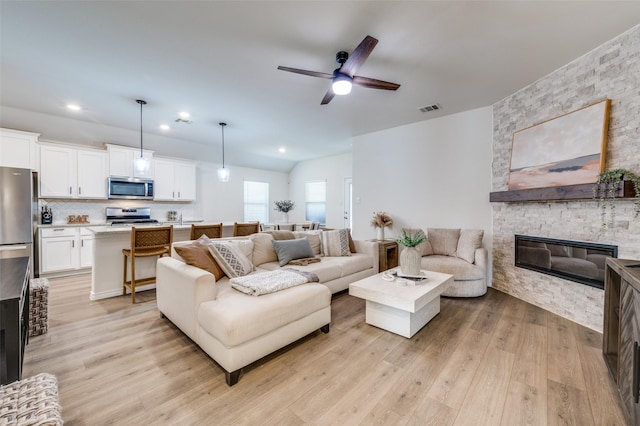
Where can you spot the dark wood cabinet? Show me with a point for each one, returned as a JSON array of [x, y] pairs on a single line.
[[621, 338], [14, 316]]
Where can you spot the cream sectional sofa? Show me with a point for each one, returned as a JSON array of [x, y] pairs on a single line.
[[458, 252], [236, 329]]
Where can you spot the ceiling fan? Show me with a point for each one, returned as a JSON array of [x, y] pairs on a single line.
[[344, 76]]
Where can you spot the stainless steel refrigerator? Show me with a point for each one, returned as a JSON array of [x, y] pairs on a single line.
[[16, 217]]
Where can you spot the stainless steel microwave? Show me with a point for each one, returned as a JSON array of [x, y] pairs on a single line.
[[130, 188]]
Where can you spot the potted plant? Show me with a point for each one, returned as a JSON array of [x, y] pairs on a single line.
[[381, 220], [410, 257], [284, 207], [606, 187]]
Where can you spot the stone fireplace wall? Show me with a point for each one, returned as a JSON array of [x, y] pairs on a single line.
[[610, 71]]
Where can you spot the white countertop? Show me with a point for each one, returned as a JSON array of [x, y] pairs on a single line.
[[106, 229], [107, 224]]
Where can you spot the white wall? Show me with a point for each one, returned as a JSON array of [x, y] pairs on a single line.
[[431, 174], [224, 202], [333, 170]]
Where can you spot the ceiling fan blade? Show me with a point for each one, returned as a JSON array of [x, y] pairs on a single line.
[[372, 83], [305, 72], [358, 56], [328, 96]]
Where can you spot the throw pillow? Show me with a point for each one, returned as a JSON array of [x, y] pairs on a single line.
[[352, 246], [558, 250], [424, 248], [281, 235], [470, 240], [288, 250], [230, 258], [336, 243], [198, 255], [263, 251], [313, 237], [444, 241]]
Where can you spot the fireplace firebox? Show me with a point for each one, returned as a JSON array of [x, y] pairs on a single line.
[[578, 261]]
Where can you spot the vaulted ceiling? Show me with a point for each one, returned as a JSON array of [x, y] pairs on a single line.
[[218, 60]]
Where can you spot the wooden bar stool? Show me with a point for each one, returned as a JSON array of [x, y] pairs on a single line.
[[145, 242], [211, 231], [243, 229]]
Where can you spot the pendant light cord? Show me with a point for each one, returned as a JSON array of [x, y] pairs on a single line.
[[222, 125], [141, 102]]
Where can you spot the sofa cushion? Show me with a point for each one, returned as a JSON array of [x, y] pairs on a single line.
[[288, 250], [352, 264], [326, 270], [281, 235], [460, 269], [235, 317], [198, 255], [263, 250], [424, 248], [336, 243], [469, 241], [314, 239], [233, 256], [444, 241]]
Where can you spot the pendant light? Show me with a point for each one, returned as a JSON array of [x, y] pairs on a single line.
[[141, 164], [223, 174]]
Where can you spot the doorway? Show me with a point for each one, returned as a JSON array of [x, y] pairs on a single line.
[[348, 199]]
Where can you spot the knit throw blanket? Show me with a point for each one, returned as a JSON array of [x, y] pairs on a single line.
[[272, 281]]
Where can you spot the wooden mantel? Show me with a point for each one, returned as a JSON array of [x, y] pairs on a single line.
[[558, 193]]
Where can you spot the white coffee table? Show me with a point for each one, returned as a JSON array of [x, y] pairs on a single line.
[[400, 308]]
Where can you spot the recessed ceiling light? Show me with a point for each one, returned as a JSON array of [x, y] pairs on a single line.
[[184, 114], [74, 107], [165, 127], [282, 150]]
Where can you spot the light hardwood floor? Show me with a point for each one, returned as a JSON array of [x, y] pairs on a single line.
[[494, 360]]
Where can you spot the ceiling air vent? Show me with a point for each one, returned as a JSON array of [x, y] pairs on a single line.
[[429, 108]]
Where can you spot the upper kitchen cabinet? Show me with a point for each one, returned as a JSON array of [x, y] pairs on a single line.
[[121, 161], [67, 172], [18, 149], [175, 180]]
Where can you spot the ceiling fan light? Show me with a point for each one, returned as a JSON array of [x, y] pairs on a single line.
[[341, 84], [223, 174]]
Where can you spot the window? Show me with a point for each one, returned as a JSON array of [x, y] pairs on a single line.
[[256, 201], [316, 201]]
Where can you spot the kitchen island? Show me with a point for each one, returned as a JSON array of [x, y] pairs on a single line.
[[108, 260]]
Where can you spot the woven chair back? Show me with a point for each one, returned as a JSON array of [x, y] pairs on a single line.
[[211, 231], [147, 238], [243, 229]]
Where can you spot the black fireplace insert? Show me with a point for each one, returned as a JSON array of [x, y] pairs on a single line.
[[578, 261]]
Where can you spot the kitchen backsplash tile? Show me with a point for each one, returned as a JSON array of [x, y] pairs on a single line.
[[95, 209]]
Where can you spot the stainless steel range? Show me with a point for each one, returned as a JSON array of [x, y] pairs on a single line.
[[130, 216]]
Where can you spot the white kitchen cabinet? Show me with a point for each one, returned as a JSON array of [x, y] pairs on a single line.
[[67, 172], [18, 149], [86, 248], [65, 249], [175, 180], [58, 172], [92, 174], [121, 162]]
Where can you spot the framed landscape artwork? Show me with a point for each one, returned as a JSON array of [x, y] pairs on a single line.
[[566, 150]]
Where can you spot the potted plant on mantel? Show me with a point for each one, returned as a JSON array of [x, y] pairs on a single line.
[[410, 257], [284, 207], [606, 188]]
